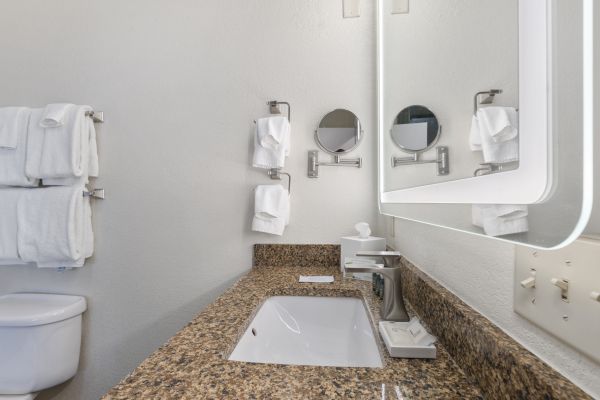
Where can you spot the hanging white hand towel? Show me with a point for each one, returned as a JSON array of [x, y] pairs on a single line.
[[12, 161], [54, 227], [499, 134], [271, 209], [271, 142], [54, 115], [9, 252], [501, 219], [65, 155]]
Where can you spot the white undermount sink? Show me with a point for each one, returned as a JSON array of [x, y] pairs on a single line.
[[303, 330]]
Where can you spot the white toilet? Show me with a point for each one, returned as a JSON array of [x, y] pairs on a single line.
[[40, 339]]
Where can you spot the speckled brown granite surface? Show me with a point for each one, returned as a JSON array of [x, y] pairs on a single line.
[[193, 364], [501, 367], [297, 255]]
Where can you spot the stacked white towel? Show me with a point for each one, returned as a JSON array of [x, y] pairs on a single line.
[[500, 219], [271, 142], [495, 132], [55, 227], [271, 209], [14, 123], [62, 148], [51, 227]]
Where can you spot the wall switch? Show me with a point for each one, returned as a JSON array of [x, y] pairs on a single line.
[[400, 6], [351, 8], [567, 281]]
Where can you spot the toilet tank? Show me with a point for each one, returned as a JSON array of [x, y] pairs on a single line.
[[40, 340]]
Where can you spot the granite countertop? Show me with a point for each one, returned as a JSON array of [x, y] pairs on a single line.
[[193, 364]]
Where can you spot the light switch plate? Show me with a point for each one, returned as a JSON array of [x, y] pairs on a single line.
[[400, 6], [351, 8], [574, 316]]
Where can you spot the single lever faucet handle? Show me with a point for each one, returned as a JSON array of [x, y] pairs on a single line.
[[390, 258]]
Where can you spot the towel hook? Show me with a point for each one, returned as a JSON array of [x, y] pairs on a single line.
[[97, 193], [96, 116], [488, 100]]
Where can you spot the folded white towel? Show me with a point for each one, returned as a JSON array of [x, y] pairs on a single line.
[[54, 115], [497, 128], [501, 123], [11, 126], [271, 209], [475, 135], [54, 227], [12, 161], [500, 219], [9, 252], [64, 155], [271, 142]]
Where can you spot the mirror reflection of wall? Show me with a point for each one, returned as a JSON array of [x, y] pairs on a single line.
[[441, 54]]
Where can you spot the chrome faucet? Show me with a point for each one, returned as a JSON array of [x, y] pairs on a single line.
[[393, 308]]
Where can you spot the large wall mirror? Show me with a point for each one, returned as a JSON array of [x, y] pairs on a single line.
[[509, 81]]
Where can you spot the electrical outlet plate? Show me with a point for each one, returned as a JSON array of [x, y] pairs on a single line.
[[574, 316]]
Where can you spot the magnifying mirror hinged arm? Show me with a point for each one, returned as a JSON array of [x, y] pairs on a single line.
[[442, 160], [338, 161]]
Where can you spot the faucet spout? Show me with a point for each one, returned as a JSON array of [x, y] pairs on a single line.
[[392, 308]]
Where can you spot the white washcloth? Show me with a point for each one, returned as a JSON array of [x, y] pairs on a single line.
[[496, 135], [12, 161], [55, 227], [54, 115], [11, 126], [64, 155], [271, 209], [9, 252], [271, 142], [500, 219]]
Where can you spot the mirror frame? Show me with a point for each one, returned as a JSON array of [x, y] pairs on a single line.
[[361, 134], [532, 181], [431, 145]]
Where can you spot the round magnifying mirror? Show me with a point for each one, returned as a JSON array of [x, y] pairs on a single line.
[[415, 129], [339, 132]]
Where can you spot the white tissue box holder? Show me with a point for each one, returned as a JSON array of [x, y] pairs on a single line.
[[401, 343]]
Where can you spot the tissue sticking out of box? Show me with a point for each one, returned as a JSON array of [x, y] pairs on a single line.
[[364, 231]]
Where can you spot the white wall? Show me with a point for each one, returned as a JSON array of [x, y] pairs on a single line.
[[180, 83], [480, 271]]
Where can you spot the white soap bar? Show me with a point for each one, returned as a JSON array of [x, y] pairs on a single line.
[[316, 279]]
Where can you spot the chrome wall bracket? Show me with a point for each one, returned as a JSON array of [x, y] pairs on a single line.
[[314, 163], [96, 116], [97, 193], [275, 173], [442, 160], [488, 100]]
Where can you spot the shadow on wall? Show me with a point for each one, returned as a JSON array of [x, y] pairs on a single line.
[[74, 387]]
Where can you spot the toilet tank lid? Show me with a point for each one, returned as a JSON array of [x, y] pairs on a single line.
[[32, 309]]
